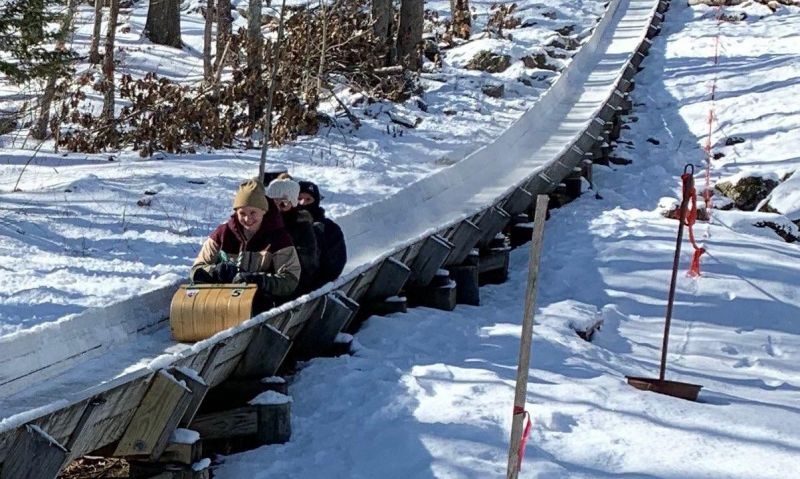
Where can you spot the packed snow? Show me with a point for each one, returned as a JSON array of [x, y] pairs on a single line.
[[428, 393]]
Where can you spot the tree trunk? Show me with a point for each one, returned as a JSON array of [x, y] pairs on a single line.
[[224, 20], [39, 131], [254, 41], [462, 18], [163, 25], [276, 60], [94, 51], [209, 26], [108, 63], [382, 16], [409, 33]]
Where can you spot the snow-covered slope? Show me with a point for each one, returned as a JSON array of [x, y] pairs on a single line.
[[531, 143], [429, 394]]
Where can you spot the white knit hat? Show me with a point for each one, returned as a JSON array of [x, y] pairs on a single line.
[[284, 189]]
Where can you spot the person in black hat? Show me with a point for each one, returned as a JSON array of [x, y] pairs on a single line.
[[329, 235]]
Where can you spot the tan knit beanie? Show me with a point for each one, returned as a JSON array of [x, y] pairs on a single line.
[[251, 193], [284, 189]]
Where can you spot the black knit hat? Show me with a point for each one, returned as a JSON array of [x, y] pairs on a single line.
[[312, 189]]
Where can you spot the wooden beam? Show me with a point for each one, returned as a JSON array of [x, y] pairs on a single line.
[[265, 353], [519, 201], [76, 443], [200, 394], [157, 416], [320, 332], [391, 278], [34, 455], [430, 258], [241, 421], [493, 221], [350, 304], [198, 387], [464, 237]]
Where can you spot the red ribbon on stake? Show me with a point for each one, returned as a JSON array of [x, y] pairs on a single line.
[[690, 215], [525, 434]]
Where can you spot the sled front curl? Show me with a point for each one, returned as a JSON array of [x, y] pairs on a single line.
[[198, 311]]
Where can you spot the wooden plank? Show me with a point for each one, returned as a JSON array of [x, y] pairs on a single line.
[[491, 223], [320, 333], [518, 201], [390, 279], [431, 257], [228, 357], [78, 438], [182, 453], [156, 417], [300, 315], [265, 353], [363, 283], [242, 421], [464, 238], [350, 304], [198, 395], [198, 387], [34, 455]]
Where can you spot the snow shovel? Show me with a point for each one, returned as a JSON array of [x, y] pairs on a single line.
[[198, 311], [661, 385]]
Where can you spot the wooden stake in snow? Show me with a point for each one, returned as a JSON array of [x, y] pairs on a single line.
[[514, 452]]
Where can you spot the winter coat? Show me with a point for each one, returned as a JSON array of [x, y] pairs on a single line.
[[300, 225], [270, 250], [333, 252]]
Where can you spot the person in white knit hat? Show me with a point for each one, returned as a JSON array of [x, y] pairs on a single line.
[[284, 191]]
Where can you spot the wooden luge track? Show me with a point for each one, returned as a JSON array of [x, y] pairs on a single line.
[[455, 210]]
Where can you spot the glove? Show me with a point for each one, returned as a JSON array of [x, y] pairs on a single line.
[[224, 272], [257, 279]]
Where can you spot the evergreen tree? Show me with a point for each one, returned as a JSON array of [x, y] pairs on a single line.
[[27, 36]]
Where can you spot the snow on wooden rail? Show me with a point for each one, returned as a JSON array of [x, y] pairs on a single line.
[[61, 379]]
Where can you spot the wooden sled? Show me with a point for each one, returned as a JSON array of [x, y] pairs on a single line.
[[199, 311]]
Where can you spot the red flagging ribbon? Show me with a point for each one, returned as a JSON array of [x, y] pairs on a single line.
[[690, 193], [525, 434]]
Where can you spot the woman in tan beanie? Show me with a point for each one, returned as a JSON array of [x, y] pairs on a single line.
[[251, 247]]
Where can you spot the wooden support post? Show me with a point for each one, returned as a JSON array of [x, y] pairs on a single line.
[[586, 171], [265, 353], [464, 237], [652, 32], [350, 304], [493, 221], [467, 287], [391, 278], [77, 442], [162, 407], [517, 202], [391, 305], [523, 366], [34, 455], [573, 183], [183, 450], [317, 338], [663, 6], [493, 268], [439, 294], [520, 232], [274, 418], [197, 385], [586, 141], [637, 59], [200, 395], [431, 256]]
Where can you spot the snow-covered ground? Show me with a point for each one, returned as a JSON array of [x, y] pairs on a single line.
[[75, 236], [429, 394]]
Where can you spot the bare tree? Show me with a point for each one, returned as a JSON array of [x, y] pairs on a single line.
[[94, 50], [39, 130], [209, 26], [462, 18], [224, 20], [278, 50], [409, 33], [254, 42], [382, 17], [163, 25], [108, 63]]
